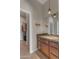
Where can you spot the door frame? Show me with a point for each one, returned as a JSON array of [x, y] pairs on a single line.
[[30, 29]]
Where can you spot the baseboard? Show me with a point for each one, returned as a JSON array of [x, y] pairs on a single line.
[[33, 51]]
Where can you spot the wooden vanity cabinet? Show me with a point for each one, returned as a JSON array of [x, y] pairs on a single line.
[[54, 50], [44, 49], [48, 48], [53, 57], [43, 46]]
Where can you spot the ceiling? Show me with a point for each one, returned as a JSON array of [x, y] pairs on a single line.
[[42, 1]]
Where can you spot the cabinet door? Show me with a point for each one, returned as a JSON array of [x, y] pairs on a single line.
[[53, 57], [54, 51], [44, 49]]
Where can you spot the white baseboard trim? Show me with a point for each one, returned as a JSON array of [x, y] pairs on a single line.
[[33, 51]]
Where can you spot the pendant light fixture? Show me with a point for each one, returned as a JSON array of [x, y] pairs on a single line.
[[49, 10], [54, 15]]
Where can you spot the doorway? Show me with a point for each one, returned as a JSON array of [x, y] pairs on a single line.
[[29, 29], [24, 34]]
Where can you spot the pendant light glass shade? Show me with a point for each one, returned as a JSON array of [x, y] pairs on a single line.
[[54, 15], [49, 11]]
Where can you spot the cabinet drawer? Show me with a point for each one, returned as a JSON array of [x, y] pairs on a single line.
[[55, 45], [53, 57], [44, 41], [54, 51]]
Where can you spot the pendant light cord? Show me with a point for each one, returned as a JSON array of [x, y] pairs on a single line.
[[49, 4]]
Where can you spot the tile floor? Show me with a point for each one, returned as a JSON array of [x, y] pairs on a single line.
[[24, 54]]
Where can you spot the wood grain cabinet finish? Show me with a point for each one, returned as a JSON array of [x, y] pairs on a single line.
[[44, 41], [53, 57], [54, 44], [48, 48], [44, 49], [54, 50]]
